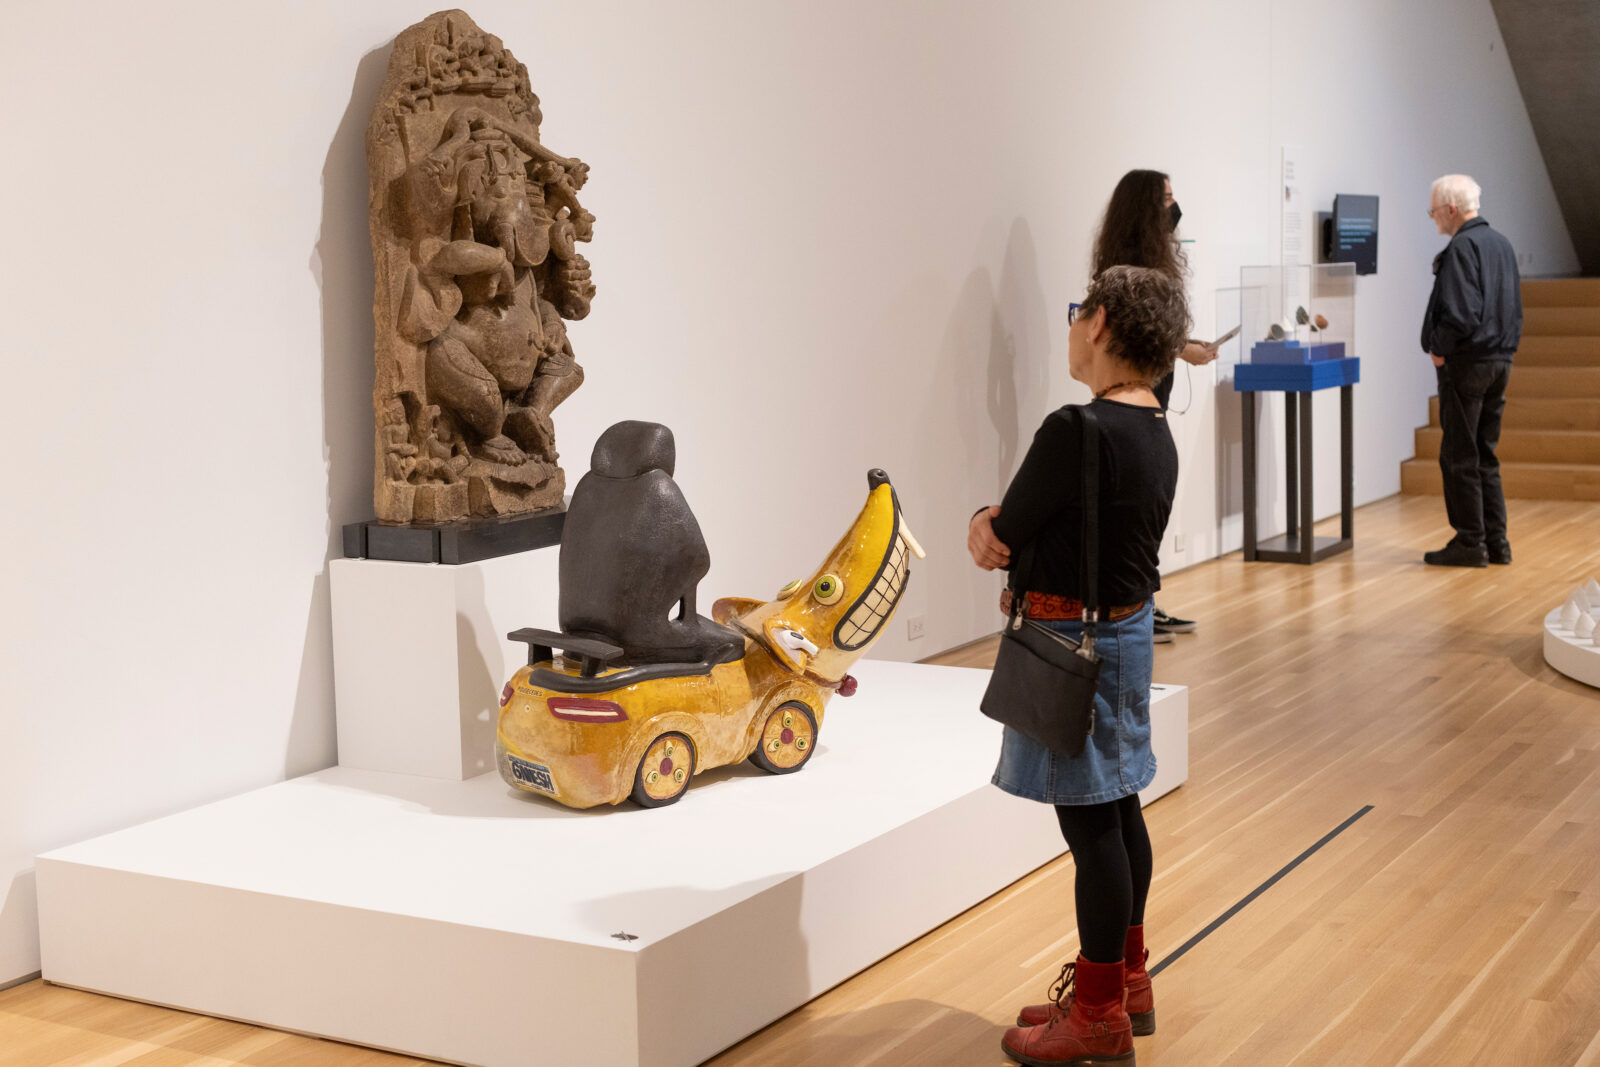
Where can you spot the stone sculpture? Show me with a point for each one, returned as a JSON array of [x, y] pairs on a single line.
[[475, 228]]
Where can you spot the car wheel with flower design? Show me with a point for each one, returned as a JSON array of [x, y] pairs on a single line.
[[664, 771], [788, 738]]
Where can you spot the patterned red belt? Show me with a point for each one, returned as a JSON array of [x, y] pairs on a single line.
[[1055, 608]]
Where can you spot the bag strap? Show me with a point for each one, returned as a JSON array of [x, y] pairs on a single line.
[[1089, 577]]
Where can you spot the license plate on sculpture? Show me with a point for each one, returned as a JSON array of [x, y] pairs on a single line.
[[637, 693]]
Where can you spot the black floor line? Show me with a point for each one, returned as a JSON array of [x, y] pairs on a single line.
[[1256, 892]]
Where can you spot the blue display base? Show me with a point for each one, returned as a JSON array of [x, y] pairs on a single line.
[[1294, 353], [1296, 377]]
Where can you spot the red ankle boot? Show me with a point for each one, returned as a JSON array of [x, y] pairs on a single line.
[[1138, 998], [1088, 1027]]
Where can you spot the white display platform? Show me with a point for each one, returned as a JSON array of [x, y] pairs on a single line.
[[431, 711], [1576, 657], [468, 922]]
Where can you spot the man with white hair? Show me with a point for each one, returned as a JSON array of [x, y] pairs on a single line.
[[1471, 331]]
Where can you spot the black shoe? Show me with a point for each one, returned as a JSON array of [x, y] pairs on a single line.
[[1161, 637], [1457, 555], [1500, 554], [1167, 624]]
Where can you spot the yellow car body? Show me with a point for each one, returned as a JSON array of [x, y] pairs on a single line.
[[645, 731]]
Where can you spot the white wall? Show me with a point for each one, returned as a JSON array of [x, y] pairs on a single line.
[[831, 236]]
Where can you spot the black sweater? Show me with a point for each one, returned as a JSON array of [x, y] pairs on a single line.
[[1475, 312], [1044, 503]]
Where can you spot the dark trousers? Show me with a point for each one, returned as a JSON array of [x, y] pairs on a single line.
[[1472, 397]]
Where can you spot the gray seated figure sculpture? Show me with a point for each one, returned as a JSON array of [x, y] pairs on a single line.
[[632, 555]]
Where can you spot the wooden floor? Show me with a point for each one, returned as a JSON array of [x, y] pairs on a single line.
[[1458, 922]]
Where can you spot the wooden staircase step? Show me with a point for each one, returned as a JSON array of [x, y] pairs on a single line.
[[1560, 292], [1523, 413], [1526, 481], [1553, 382], [1526, 446], [1559, 352], [1561, 321]]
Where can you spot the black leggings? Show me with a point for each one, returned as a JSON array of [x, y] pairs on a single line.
[[1111, 848]]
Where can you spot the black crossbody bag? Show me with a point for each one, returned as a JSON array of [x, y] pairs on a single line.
[[1043, 682]]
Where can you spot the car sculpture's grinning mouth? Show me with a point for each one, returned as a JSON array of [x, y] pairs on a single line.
[[873, 608]]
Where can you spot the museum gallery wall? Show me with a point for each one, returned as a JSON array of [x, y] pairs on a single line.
[[829, 237]]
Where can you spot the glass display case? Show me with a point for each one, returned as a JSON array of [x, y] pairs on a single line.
[[1295, 314]]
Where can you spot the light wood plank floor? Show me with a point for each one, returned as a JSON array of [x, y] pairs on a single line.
[[1456, 923]]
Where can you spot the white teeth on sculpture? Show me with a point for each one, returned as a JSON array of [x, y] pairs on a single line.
[[1580, 598], [1591, 589], [1585, 627], [1569, 614]]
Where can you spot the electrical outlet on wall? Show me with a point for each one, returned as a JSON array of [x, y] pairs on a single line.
[[916, 626], [1177, 541]]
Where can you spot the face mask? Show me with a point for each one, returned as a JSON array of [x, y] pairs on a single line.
[[1176, 212]]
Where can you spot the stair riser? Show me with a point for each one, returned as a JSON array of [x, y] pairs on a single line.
[[1526, 446], [1561, 292], [1559, 352], [1555, 382], [1561, 322], [1423, 477], [1539, 414]]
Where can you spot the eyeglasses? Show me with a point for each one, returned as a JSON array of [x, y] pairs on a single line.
[[1442, 207], [1072, 313]]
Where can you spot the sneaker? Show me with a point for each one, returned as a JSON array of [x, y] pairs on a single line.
[[1165, 623], [1456, 554], [1162, 637], [1500, 554]]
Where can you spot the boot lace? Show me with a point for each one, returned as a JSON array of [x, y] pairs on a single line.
[[1061, 991]]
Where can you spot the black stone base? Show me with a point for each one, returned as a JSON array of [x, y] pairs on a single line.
[[467, 541]]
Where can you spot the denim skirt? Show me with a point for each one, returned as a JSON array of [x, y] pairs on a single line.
[[1117, 761]]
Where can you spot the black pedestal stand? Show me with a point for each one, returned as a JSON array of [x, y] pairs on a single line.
[[467, 541]]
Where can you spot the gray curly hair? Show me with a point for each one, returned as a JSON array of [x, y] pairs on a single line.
[[1147, 316]]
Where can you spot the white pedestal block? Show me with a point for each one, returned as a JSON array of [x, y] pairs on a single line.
[[420, 655], [469, 922], [1576, 657]]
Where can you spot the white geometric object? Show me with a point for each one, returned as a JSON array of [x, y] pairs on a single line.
[[420, 654], [458, 920], [1585, 626], [1571, 655], [1570, 613], [1581, 598], [1591, 589]]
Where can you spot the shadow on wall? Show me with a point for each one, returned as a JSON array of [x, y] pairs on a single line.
[[341, 264], [19, 931], [479, 688], [1019, 351]]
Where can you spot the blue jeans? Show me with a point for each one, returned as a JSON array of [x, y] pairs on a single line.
[[1117, 761]]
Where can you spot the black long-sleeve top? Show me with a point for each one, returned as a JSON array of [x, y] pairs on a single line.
[[1044, 503], [1475, 310]]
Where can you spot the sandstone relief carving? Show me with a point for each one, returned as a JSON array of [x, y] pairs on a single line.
[[475, 234]]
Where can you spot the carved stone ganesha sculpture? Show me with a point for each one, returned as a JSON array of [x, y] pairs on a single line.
[[475, 233]]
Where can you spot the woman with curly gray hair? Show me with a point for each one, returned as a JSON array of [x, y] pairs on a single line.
[[1121, 341]]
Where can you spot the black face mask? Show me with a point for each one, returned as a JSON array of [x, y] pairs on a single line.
[[1176, 212]]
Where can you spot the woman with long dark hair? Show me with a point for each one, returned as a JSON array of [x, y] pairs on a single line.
[[1121, 341], [1140, 230]]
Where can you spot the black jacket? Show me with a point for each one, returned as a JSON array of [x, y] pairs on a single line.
[[1475, 312]]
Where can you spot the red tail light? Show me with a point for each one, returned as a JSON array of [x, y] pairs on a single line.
[[505, 695], [576, 709]]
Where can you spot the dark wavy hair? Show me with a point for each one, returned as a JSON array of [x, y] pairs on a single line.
[[1137, 230], [1147, 316]]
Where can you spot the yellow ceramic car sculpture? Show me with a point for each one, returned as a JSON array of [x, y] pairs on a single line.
[[580, 728]]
